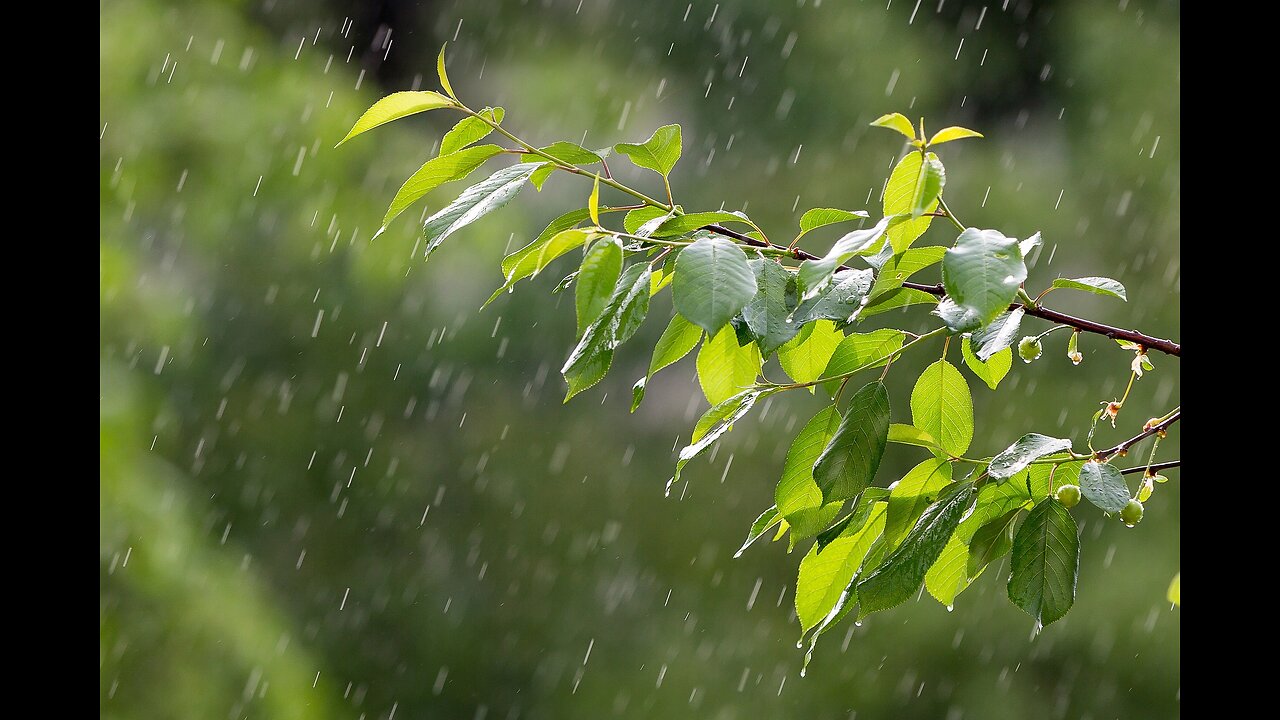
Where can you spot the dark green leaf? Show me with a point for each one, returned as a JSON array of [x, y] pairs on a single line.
[[997, 336], [475, 202], [981, 275], [910, 496], [814, 274], [1027, 448], [1095, 285], [1045, 563], [713, 283], [768, 313], [659, 153], [898, 267], [942, 407], [990, 542], [434, 173], [599, 273], [1104, 486], [841, 301], [617, 322], [849, 462]]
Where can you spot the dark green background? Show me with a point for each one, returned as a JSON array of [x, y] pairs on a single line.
[[264, 551]]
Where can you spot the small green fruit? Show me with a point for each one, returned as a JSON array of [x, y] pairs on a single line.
[[1132, 513], [1069, 495], [1029, 348]]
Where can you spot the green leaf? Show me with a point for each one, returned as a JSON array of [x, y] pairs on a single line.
[[593, 202], [566, 152], [996, 501], [841, 301], [681, 224], [896, 121], [824, 576], [821, 217], [900, 576], [1104, 486], [990, 542], [1095, 285], [680, 337], [1031, 243], [992, 371], [941, 406], [713, 283], [997, 336], [396, 106], [981, 275], [805, 356], [475, 202], [910, 497], [768, 313], [895, 300], [1045, 563], [659, 153], [539, 176], [444, 77], [947, 578], [601, 267], [911, 435], [797, 496], [814, 274], [899, 199], [637, 218], [716, 422], [470, 130], [929, 185], [725, 368], [859, 351], [1022, 452], [637, 392], [529, 260], [617, 322], [767, 519], [849, 462], [897, 267], [436, 172], [955, 132], [1175, 590]]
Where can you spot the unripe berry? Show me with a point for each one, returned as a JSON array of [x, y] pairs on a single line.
[[1069, 495], [1132, 513], [1029, 348]]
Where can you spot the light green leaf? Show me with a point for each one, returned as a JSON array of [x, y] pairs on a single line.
[[529, 260], [470, 130], [725, 368], [897, 267], [821, 217], [637, 218], [899, 199], [767, 519], [444, 77], [566, 152], [617, 322], [539, 176], [1095, 285], [797, 496], [900, 576], [1019, 455], [996, 501], [680, 337], [1104, 486], [981, 275], [396, 106], [475, 202], [896, 121], [841, 301], [824, 576], [955, 132], [436, 172], [1045, 563], [716, 422], [910, 497], [859, 351], [593, 202], [713, 283], [681, 224], [896, 300], [767, 314], [1175, 590], [814, 274], [659, 153], [601, 267], [929, 185], [911, 435], [941, 406], [849, 462], [992, 371], [805, 356], [947, 577]]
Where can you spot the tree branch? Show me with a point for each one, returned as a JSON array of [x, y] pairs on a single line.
[[1123, 447], [1154, 468]]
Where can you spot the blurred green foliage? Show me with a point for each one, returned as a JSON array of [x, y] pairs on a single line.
[[330, 488]]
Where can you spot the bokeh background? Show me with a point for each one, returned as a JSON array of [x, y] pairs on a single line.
[[330, 488]]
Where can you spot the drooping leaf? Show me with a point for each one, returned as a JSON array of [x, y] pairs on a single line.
[[841, 301], [910, 497], [681, 224], [617, 322], [824, 576], [725, 368], [1045, 563], [947, 578], [1104, 486], [714, 423], [767, 519], [992, 371], [942, 406], [1095, 285], [768, 313], [997, 336], [981, 275], [896, 121], [797, 496], [805, 356], [821, 217], [955, 132], [1027, 448], [529, 260], [899, 198], [475, 202], [659, 153], [470, 130], [396, 106], [814, 274], [899, 577], [929, 185], [990, 542], [680, 337], [996, 501], [713, 283], [849, 462], [601, 267], [859, 351], [911, 435], [434, 173], [539, 176]]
